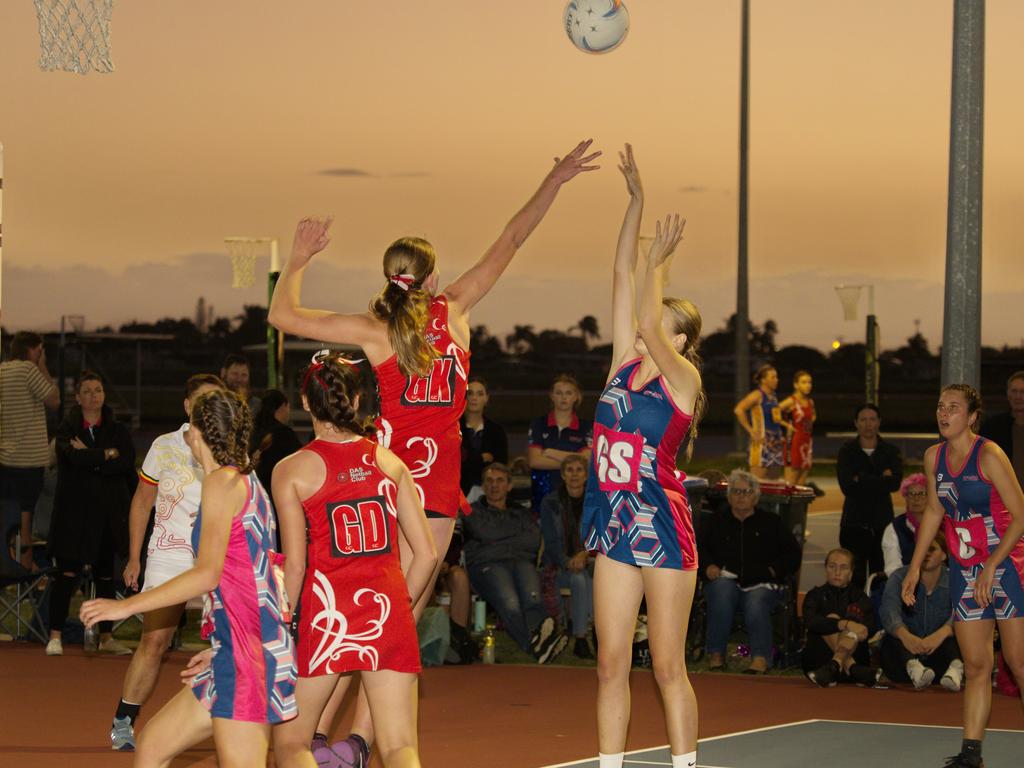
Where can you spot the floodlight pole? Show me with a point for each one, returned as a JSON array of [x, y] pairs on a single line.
[[871, 349], [961, 323], [742, 341], [275, 339]]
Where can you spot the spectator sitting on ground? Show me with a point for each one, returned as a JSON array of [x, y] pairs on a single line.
[[839, 619], [747, 555], [869, 470], [554, 436], [483, 440], [501, 545], [235, 373], [271, 435], [1007, 429], [919, 643], [561, 512], [900, 536]]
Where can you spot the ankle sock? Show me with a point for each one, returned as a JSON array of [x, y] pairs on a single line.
[[610, 761], [689, 760], [127, 709]]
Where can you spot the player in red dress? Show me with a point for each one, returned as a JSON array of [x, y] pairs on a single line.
[[417, 340], [355, 611], [800, 407]]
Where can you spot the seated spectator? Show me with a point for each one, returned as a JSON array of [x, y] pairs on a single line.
[[560, 514], [501, 546], [747, 555], [554, 436], [900, 536], [919, 643], [839, 619], [95, 481], [483, 440], [272, 435]]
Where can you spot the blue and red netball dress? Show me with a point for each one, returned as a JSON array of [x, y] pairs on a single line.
[[419, 416], [252, 674], [768, 447], [635, 510], [355, 612], [975, 522]]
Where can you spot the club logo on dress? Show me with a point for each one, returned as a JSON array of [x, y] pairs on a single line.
[[359, 527], [437, 388]]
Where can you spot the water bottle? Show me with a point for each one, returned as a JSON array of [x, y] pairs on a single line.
[[487, 655], [91, 639], [479, 615]]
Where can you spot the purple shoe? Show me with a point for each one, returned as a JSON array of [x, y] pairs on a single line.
[[324, 755], [353, 752]]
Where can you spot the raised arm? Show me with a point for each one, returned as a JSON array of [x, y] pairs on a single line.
[[682, 376], [624, 275], [473, 284], [288, 315]]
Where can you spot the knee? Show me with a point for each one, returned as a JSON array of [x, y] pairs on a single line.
[[153, 644], [612, 665], [979, 665], [669, 672], [1015, 663]]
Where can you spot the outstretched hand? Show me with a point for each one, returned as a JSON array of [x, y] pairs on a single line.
[[666, 238], [101, 609], [627, 165], [574, 163], [311, 237]]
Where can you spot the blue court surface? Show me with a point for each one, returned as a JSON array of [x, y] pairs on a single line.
[[835, 744]]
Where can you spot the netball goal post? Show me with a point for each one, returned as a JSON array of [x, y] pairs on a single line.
[[243, 252]]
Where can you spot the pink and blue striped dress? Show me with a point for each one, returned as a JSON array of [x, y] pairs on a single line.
[[252, 675]]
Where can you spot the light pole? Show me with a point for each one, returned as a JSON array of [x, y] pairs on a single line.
[[849, 295], [742, 330]]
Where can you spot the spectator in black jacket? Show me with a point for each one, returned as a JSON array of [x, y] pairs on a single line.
[[483, 440], [95, 481], [839, 619], [271, 434], [1007, 429], [501, 546], [746, 553], [869, 470]]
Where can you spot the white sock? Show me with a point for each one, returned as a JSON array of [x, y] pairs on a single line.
[[689, 760], [610, 761]]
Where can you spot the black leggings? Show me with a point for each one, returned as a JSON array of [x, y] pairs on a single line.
[[64, 586]]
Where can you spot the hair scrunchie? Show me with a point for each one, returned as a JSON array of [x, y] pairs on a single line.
[[405, 282]]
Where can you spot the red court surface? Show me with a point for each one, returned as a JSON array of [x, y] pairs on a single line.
[[56, 711]]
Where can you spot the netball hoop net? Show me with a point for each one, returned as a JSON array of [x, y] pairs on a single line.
[[74, 35], [243, 252], [849, 295]]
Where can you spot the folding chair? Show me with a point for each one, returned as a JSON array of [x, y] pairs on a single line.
[[20, 587]]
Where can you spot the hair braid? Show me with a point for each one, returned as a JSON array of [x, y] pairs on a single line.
[[331, 387], [226, 424]]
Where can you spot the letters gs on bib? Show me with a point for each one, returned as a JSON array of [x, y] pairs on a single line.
[[617, 458], [436, 388], [359, 527]]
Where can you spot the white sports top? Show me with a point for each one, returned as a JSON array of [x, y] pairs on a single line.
[[170, 466]]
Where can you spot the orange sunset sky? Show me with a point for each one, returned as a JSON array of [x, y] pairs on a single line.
[[440, 119]]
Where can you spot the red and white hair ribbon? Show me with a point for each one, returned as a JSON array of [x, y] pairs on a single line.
[[405, 282]]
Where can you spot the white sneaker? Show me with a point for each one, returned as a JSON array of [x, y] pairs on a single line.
[[954, 676], [920, 675], [115, 648], [55, 647]]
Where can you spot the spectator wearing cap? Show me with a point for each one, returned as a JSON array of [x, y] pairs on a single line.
[[900, 536]]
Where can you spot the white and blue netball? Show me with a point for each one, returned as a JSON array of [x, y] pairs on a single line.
[[596, 26]]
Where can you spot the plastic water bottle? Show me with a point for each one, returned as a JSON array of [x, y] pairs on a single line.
[[91, 642], [487, 655], [479, 615]]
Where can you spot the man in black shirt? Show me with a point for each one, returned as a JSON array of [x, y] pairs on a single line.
[[1007, 429]]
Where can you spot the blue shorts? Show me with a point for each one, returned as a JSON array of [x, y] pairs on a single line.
[[1007, 593]]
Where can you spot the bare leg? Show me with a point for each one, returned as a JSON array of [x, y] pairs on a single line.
[[25, 556], [843, 647], [1011, 634], [759, 472], [392, 699], [618, 590], [458, 585], [975, 641], [157, 630], [669, 598], [792, 476], [241, 744], [181, 723], [291, 739]]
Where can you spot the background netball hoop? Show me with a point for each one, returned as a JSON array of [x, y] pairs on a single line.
[[74, 35], [243, 252], [849, 295]]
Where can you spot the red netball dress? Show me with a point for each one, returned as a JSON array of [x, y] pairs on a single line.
[[355, 612], [419, 416]]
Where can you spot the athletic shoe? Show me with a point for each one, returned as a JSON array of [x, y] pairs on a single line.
[[581, 649], [122, 735], [953, 677], [963, 761], [557, 644], [825, 675], [115, 648], [353, 752], [866, 676], [55, 647], [920, 675], [543, 634]]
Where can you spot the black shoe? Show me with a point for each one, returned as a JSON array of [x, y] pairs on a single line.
[[863, 675], [825, 675], [556, 644], [818, 493], [581, 650], [963, 761], [541, 637]]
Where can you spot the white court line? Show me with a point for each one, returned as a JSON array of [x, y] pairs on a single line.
[[914, 725]]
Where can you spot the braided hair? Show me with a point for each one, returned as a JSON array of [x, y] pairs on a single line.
[[225, 421], [331, 385]]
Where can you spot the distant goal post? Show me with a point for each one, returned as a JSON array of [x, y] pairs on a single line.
[[244, 250]]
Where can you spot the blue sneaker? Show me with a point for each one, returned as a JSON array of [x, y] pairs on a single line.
[[122, 735]]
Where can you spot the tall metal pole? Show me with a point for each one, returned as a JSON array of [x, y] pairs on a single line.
[[742, 381], [961, 326]]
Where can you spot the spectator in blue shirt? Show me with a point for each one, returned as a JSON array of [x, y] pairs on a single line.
[[553, 437], [919, 643]]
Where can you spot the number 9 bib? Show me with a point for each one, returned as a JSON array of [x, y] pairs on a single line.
[[617, 458], [967, 540]]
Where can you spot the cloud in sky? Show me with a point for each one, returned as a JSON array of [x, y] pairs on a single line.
[[359, 173], [356, 172]]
